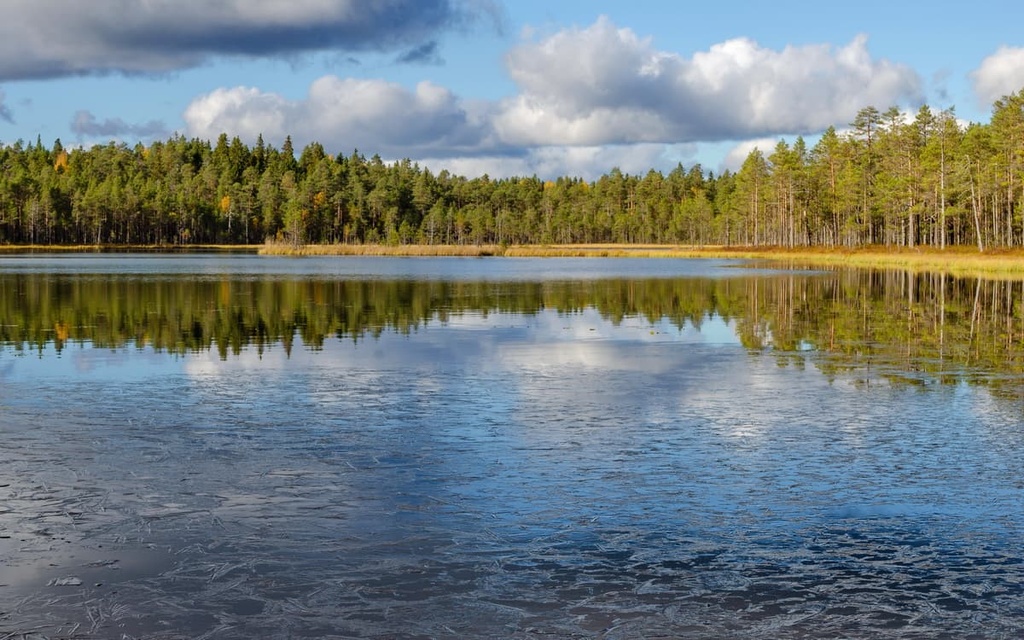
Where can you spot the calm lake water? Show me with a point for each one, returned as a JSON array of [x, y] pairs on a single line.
[[239, 446]]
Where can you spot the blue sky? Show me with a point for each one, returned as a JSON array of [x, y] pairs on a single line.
[[548, 87]]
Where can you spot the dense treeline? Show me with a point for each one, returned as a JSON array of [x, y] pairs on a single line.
[[890, 181]]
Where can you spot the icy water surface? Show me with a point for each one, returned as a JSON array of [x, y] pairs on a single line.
[[441, 449]]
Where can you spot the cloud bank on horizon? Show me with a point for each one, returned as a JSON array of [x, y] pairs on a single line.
[[583, 99], [621, 91]]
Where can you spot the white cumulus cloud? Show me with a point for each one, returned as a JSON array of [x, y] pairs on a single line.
[[738, 154], [604, 85], [1000, 74], [344, 114]]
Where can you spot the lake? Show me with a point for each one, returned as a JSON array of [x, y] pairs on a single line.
[[234, 446]]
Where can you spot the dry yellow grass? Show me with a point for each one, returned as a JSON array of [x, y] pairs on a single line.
[[278, 249], [516, 251], [1004, 263], [958, 260]]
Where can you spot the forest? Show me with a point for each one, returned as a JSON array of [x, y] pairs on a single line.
[[886, 179]]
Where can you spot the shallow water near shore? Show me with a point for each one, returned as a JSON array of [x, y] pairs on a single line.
[[234, 447]]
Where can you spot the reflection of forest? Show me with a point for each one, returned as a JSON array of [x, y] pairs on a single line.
[[939, 326], [912, 328]]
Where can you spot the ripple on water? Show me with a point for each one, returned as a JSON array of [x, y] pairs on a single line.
[[334, 495]]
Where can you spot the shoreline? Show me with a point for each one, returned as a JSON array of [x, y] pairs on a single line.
[[6, 249], [953, 260]]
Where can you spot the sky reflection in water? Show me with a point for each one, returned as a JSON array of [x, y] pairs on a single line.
[[502, 474]]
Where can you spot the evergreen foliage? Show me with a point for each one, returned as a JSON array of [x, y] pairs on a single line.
[[887, 181]]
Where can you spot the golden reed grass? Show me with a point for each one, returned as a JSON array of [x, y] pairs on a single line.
[[1004, 263], [955, 260]]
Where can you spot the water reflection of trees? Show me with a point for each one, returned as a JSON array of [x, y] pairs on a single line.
[[181, 315], [941, 327], [911, 328]]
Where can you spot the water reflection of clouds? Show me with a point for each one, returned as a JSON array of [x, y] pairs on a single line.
[[546, 380], [463, 340], [580, 360], [273, 358], [557, 360], [124, 364], [469, 339]]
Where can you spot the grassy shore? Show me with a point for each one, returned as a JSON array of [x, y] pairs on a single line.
[[957, 260], [407, 250], [1008, 263]]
